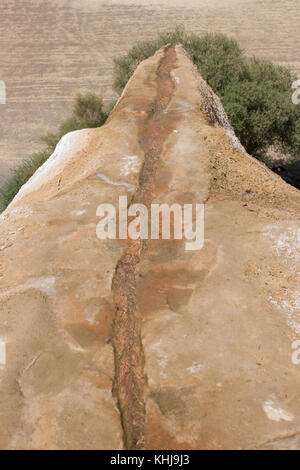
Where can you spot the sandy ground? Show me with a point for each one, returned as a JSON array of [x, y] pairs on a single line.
[[50, 51]]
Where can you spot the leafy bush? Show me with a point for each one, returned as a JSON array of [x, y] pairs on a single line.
[[19, 177], [87, 112], [256, 94]]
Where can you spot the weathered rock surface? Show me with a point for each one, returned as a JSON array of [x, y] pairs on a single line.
[[120, 343]]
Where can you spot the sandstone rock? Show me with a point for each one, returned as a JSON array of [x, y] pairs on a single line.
[[121, 343]]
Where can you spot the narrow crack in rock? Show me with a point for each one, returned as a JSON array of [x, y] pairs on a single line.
[[129, 381]]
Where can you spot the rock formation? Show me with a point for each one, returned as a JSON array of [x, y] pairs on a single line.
[[134, 344], [49, 66]]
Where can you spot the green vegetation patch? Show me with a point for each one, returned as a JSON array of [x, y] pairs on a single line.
[[256, 94]]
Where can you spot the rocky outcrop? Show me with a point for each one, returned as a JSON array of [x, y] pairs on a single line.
[[140, 344]]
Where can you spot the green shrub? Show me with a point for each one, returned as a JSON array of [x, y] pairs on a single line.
[[256, 94], [87, 113], [19, 177]]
